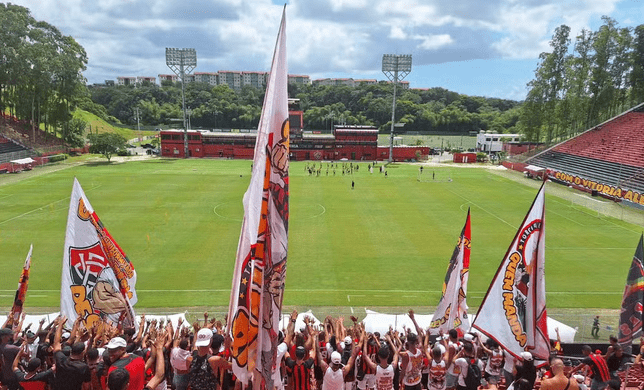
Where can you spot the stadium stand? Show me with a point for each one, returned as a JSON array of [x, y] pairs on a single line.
[[611, 153], [10, 150]]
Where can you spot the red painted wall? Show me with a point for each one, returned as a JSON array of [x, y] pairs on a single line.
[[464, 158], [403, 153]]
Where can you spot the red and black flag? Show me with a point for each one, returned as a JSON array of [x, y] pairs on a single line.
[[21, 292], [630, 319]]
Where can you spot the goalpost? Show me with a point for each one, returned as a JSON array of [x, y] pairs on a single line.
[[432, 175]]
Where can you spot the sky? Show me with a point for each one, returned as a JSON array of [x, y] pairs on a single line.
[[483, 48]]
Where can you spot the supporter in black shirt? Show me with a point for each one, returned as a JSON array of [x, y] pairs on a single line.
[[72, 371]]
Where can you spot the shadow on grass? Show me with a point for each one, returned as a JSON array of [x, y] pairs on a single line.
[[99, 163], [160, 161]]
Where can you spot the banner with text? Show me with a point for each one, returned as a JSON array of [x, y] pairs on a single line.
[[605, 189]]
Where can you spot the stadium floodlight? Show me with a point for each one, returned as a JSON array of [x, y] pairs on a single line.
[[182, 62], [396, 67]]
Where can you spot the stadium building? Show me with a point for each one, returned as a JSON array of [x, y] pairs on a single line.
[[346, 142]]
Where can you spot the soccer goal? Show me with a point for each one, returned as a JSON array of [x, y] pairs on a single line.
[[429, 175]]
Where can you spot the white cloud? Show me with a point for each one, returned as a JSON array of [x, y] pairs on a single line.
[[339, 5], [528, 29], [332, 37], [397, 33], [433, 42]]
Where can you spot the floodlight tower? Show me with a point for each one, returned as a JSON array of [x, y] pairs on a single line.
[[182, 62], [396, 67]]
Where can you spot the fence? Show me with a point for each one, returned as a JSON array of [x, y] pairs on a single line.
[[579, 318]]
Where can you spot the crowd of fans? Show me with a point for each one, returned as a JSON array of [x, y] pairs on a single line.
[[328, 356]]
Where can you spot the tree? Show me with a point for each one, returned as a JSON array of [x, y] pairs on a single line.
[[74, 132], [637, 61], [106, 144], [40, 69]]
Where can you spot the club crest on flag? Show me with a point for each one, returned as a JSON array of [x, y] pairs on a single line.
[[513, 311], [516, 279], [98, 280]]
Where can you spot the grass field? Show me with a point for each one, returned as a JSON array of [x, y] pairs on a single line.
[[435, 141], [385, 243]]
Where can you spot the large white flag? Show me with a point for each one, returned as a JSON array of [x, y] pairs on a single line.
[[98, 280], [513, 311], [260, 267], [451, 312]]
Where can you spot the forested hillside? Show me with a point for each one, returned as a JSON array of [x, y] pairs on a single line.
[[431, 110]]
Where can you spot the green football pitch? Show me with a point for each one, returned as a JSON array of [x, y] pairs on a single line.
[[385, 243]]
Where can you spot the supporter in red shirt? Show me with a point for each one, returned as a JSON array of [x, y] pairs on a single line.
[[135, 365]]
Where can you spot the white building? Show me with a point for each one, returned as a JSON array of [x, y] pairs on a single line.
[[493, 142]]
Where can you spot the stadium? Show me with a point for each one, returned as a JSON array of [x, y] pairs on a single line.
[[178, 221], [367, 240]]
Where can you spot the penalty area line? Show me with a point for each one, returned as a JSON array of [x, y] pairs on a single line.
[[40, 208]]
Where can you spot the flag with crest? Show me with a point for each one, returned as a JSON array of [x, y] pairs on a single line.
[[630, 318], [513, 312], [260, 265], [23, 284], [98, 280], [451, 312]]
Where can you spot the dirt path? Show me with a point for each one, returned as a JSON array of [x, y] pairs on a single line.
[[11, 178]]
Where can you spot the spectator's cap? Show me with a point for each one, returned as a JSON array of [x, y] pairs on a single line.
[[469, 337], [116, 342], [336, 358], [348, 340], [66, 335], [442, 347], [203, 337], [527, 356], [6, 332], [30, 334], [579, 378]]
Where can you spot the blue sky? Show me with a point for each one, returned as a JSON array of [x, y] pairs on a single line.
[[486, 48]]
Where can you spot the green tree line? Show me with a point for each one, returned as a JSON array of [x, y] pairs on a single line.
[[431, 110], [577, 86], [41, 76]]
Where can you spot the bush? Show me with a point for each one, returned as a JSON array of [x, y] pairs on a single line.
[[123, 152], [481, 157], [58, 157]]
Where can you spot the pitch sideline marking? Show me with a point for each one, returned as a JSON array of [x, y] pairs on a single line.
[[41, 207], [32, 211], [563, 216], [492, 214]]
